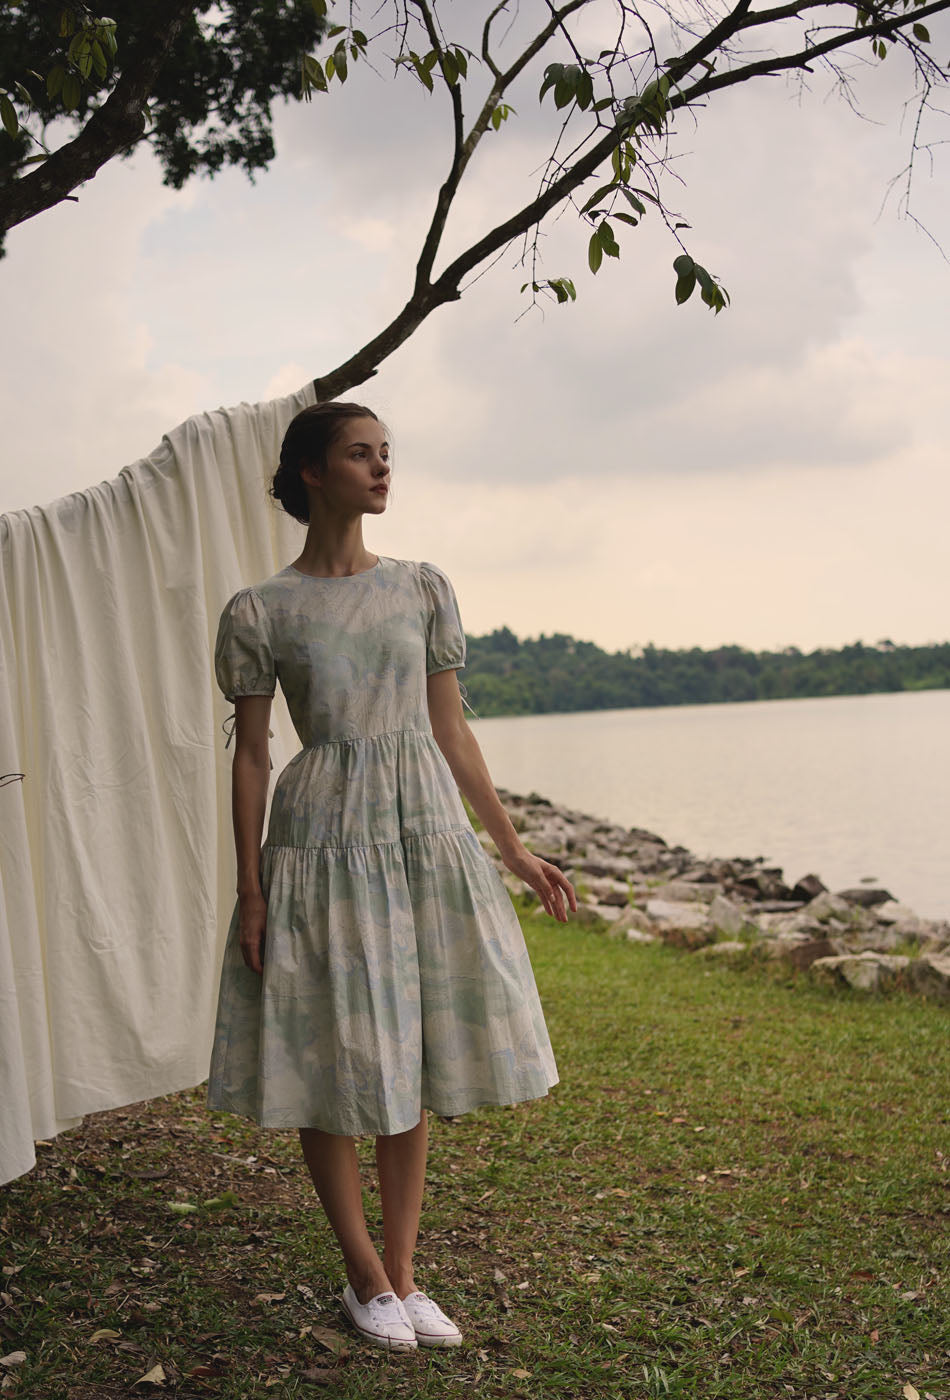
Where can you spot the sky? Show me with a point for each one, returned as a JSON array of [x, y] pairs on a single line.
[[620, 469]]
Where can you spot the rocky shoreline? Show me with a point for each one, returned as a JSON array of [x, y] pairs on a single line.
[[633, 884]]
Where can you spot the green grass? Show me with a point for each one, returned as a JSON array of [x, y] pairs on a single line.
[[740, 1189]]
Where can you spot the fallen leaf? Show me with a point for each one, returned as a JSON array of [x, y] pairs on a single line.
[[305, 1291], [910, 1393], [13, 1358], [522, 1375], [105, 1334], [875, 1335], [332, 1341], [270, 1297], [156, 1376], [181, 1208], [319, 1375], [739, 1273]]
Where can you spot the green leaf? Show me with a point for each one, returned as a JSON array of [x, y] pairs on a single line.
[[563, 288], [552, 75], [598, 196], [450, 68], [922, 33], [595, 252], [24, 94], [72, 91], [182, 1208], [313, 73], [635, 203], [461, 62], [684, 288], [340, 62], [8, 115], [625, 218], [608, 240], [684, 266]]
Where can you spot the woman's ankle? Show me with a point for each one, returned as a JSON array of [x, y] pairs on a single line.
[[369, 1283]]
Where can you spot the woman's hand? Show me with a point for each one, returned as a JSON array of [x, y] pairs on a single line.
[[253, 920], [548, 882]]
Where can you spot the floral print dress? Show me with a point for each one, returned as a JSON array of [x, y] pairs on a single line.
[[396, 976]]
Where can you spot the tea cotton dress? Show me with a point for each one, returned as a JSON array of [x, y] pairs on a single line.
[[396, 976]]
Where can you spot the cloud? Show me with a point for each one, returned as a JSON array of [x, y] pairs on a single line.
[[620, 468]]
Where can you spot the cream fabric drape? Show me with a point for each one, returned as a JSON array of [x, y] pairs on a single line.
[[117, 868]]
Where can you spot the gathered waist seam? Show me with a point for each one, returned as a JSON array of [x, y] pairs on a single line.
[[363, 739], [365, 846]]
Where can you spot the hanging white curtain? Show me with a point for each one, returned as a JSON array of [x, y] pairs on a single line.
[[117, 872]]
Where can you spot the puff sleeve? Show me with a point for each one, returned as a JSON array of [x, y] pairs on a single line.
[[243, 656], [445, 636]]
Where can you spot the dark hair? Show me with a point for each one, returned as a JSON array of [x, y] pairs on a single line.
[[305, 444]]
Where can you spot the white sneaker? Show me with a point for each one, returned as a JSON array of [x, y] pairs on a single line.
[[432, 1327], [382, 1321]]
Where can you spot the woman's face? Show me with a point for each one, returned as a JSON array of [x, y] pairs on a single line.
[[358, 469]]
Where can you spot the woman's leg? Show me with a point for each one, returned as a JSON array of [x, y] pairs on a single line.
[[401, 1161], [334, 1168]]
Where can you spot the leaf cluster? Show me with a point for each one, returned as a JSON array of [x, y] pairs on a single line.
[[210, 105]]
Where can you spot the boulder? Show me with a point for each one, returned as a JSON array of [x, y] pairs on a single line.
[[802, 955], [866, 972], [866, 896], [618, 898], [726, 916], [635, 918], [893, 912], [677, 914], [930, 975], [808, 887], [677, 890], [828, 906]]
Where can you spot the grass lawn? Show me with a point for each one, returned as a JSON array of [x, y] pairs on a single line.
[[740, 1189]]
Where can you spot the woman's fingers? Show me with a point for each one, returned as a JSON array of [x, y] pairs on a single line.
[[252, 947]]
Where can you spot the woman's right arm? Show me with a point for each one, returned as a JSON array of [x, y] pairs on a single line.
[[250, 777]]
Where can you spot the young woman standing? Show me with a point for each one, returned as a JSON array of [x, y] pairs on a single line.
[[374, 968]]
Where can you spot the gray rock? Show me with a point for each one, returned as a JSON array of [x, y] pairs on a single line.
[[930, 975], [678, 914], [726, 916], [677, 890], [827, 906], [639, 935], [866, 972], [865, 896], [808, 887], [809, 950], [618, 898], [893, 912], [727, 948]]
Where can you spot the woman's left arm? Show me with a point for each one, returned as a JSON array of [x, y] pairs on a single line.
[[464, 757]]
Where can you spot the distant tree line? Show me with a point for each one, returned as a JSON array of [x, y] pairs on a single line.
[[506, 676]]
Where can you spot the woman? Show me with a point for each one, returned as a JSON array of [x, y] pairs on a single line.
[[374, 967]]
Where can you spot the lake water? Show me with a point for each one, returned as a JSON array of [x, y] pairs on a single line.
[[844, 786]]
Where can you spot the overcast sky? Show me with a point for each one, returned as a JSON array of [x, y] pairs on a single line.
[[621, 469]]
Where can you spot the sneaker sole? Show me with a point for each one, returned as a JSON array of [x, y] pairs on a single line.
[[387, 1343], [432, 1341]]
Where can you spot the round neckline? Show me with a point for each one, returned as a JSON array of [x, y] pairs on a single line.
[[337, 578]]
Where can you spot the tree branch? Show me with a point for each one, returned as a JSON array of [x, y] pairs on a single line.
[[114, 126]]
